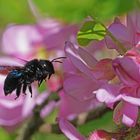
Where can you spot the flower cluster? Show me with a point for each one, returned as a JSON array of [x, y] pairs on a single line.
[[126, 69], [115, 81]]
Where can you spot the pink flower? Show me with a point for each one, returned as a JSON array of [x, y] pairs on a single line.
[[13, 112], [124, 91], [78, 85], [100, 135], [128, 34], [127, 91], [19, 40], [79, 72], [127, 68], [83, 74], [127, 110], [25, 41]]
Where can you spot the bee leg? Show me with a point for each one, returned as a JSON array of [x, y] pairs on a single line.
[[30, 89], [49, 75], [39, 82], [24, 89], [18, 90]]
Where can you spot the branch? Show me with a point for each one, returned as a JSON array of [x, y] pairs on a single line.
[[35, 121], [94, 114]]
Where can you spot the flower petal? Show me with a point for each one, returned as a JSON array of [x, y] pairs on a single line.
[[69, 130], [108, 94], [121, 33], [133, 24], [79, 63], [129, 117], [17, 40], [127, 70], [69, 106], [127, 112], [80, 86], [104, 70]]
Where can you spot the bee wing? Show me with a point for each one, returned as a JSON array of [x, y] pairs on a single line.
[[8, 64], [6, 69]]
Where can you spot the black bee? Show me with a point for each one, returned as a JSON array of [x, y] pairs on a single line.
[[21, 78]]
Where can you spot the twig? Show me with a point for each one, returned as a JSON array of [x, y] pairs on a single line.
[[35, 121], [96, 113]]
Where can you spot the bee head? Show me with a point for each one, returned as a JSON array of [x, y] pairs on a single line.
[[47, 66]]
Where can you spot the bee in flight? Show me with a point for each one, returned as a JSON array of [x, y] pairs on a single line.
[[21, 78]]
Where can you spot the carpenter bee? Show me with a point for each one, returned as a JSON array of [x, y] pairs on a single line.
[[21, 78]]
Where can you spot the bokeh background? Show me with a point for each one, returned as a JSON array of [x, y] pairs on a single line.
[[69, 12]]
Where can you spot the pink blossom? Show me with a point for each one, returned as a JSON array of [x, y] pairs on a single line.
[[13, 112], [77, 85], [128, 34], [100, 135], [127, 69], [121, 33], [18, 40], [83, 74], [25, 41], [127, 110], [124, 91], [80, 72], [127, 91]]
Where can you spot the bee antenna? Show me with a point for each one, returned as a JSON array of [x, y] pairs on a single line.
[[56, 59], [19, 58]]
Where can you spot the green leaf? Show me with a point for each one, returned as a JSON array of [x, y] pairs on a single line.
[[90, 31], [87, 26], [84, 41], [43, 136], [105, 122], [42, 87]]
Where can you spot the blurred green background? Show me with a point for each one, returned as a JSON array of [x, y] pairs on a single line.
[[19, 12]]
